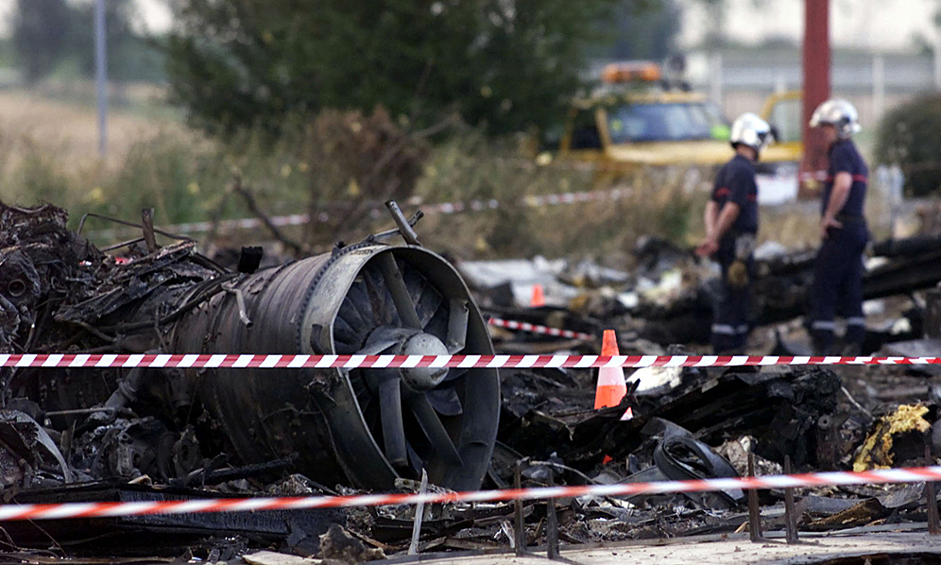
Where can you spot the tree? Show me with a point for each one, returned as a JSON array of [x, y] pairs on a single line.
[[506, 64], [910, 136], [646, 31], [40, 33]]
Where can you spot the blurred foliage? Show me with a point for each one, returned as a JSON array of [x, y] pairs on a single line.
[[325, 168], [363, 160], [500, 65], [337, 167], [910, 136], [57, 36], [165, 172], [40, 35], [470, 167], [642, 30]]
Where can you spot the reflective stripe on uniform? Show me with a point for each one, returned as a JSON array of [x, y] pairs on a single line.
[[728, 329], [856, 321], [826, 325], [856, 178]]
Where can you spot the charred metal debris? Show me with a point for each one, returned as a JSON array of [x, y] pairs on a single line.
[[667, 299], [108, 434]]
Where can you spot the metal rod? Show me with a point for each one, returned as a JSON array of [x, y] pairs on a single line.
[[552, 524], [934, 524], [518, 514], [80, 411], [81, 225], [147, 220], [122, 244], [240, 302], [408, 234], [790, 520], [754, 513], [419, 514]]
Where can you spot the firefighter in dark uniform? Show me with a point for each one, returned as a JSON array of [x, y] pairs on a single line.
[[838, 272], [731, 219]]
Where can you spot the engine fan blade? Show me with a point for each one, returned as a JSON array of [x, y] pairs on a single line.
[[393, 428], [445, 401], [455, 373], [426, 298], [376, 348], [457, 326], [434, 429], [400, 296]]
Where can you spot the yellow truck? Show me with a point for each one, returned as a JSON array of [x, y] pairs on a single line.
[[638, 125]]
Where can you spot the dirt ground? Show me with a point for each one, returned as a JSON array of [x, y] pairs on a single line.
[[736, 548]]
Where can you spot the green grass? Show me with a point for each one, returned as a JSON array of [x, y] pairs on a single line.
[[186, 178]]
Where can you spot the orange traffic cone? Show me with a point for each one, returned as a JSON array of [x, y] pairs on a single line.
[[611, 386], [539, 298]]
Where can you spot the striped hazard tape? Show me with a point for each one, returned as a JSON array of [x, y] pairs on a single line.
[[112, 509], [537, 329], [275, 361]]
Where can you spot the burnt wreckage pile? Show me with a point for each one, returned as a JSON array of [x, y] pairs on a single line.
[[668, 298], [166, 434], [781, 290], [197, 428]]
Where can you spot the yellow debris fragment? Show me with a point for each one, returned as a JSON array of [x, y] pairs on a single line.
[[875, 453]]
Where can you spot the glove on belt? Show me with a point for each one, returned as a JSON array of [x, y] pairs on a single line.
[[737, 276]]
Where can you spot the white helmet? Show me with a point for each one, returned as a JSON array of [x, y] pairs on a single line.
[[751, 131], [838, 113]]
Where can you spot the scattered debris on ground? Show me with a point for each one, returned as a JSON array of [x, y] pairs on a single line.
[[668, 298], [108, 434]]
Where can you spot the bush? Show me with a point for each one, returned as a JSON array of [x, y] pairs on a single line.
[[910, 136]]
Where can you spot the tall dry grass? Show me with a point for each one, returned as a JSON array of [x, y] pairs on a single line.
[[48, 153], [470, 167]]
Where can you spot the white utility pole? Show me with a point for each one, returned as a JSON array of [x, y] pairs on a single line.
[[878, 86], [101, 77], [780, 82], [715, 79], [937, 60]]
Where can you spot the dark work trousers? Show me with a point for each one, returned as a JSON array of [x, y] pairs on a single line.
[[838, 287], [730, 312]]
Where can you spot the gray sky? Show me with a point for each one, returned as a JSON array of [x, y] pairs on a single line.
[[885, 25], [155, 13]]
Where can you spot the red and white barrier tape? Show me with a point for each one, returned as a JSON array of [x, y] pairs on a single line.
[[113, 509], [537, 329], [275, 361]]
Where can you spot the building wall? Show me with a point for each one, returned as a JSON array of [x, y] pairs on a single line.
[[874, 83]]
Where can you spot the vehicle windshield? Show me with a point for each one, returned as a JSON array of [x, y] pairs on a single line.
[[677, 121]]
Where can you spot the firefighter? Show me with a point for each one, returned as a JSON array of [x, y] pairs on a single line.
[[731, 219], [838, 271]]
